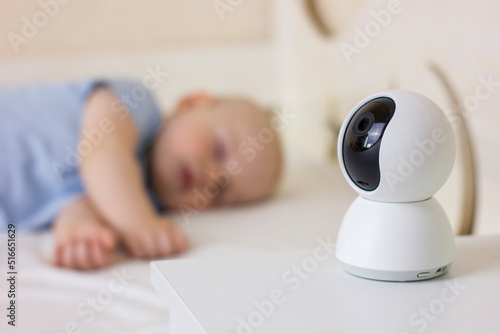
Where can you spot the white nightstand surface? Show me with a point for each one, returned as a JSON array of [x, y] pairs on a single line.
[[219, 295]]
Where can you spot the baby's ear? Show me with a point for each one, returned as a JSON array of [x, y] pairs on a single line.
[[194, 100]]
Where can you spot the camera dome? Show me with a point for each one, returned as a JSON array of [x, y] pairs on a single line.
[[396, 146]]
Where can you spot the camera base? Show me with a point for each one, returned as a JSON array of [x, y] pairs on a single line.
[[395, 241], [395, 276]]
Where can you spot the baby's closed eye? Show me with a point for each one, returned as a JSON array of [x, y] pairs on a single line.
[[219, 149]]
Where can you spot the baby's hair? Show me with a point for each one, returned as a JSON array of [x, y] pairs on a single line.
[[268, 110], [237, 99]]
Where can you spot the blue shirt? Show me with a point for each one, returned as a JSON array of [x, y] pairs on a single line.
[[39, 144]]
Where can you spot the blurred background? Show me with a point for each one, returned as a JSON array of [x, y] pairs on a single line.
[[316, 58]]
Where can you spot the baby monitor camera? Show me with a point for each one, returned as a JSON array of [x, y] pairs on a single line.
[[396, 149]]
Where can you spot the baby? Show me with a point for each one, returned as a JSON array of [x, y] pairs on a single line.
[[96, 161]]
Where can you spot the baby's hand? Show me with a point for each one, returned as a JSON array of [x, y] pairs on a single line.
[[154, 238]]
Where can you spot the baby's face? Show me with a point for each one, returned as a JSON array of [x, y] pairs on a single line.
[[215, 153]]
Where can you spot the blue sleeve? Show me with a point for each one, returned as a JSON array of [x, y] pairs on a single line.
[[3, 220], [142, 107]]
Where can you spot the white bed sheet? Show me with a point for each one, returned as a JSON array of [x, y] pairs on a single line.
[[310, 204]]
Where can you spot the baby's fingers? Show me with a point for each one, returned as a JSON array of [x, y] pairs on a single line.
[[98, 256], [179, 240], [164, 244], [67, 257], [58, 255], [142, 245], [133, 247], [81, 256], [64, 256]]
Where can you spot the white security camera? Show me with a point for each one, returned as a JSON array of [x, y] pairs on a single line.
[[396, 149]]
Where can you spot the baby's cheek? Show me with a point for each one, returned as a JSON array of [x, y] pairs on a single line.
[[195, 146], [177, 141], [190, 199]]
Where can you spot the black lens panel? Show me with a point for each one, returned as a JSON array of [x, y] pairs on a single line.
[[361, 146]]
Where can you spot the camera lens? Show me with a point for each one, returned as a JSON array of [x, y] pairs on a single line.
[[363, 124]]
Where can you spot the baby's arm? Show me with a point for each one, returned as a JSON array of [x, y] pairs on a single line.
[[113, 182]]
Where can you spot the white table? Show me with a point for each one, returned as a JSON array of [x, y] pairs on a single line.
[[260, 293]]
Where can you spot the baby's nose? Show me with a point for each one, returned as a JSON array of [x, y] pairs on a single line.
[[211, 171]]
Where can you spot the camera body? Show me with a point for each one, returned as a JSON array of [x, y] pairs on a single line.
[[396, 149]]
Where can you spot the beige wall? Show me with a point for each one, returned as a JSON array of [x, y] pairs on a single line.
[[70, 27]]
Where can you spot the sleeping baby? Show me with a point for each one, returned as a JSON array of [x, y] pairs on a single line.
[[95, 161]]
